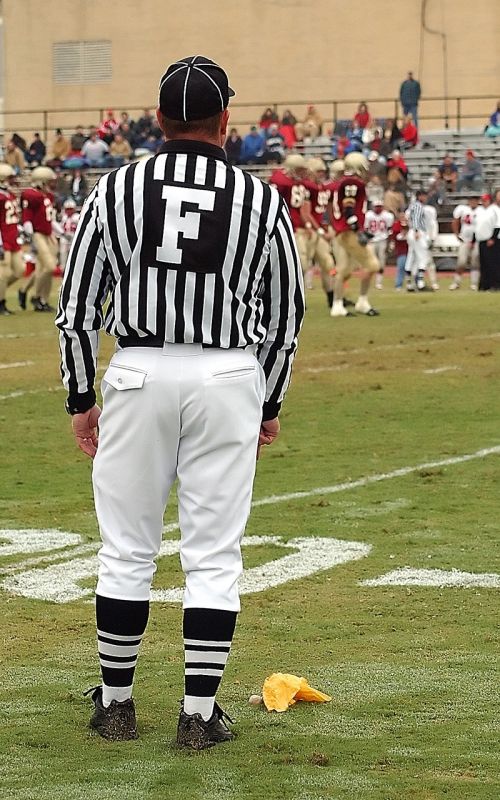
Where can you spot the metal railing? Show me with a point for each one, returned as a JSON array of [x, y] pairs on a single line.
[[448, 112]]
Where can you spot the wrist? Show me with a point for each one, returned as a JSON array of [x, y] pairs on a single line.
[[80, 403]]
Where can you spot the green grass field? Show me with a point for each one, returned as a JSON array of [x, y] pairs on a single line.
[[412, 669]]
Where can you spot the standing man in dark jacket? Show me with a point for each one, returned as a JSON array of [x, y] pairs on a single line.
[[409, 95]]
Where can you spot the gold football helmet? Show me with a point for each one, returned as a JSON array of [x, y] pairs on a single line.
[[356, 164]]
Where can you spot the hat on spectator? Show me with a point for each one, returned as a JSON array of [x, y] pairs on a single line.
[[373, 155], [194, 88], [486, 197]]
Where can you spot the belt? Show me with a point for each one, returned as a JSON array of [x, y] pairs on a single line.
[[150, 341]]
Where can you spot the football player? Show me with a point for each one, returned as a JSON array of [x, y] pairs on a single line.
[[463, 225], [292, 184], [37, 216], [11, 259], [379, 222], [69, 221], [348, 209], [314, 213]]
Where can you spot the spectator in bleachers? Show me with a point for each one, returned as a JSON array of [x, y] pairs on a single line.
[[378, 168], [269, 117], [119, 150], [311, 125], [95, 151], [125, 119], [289, 135], [77, 187], [493, 128], [233, 147], [394, 200], [448, 171], [409, 95], [127, 132], [78, 139], [471, 174], [108, 126], [397, 169], [355, 137], [14, 156], [377, 140], [436, 192], [274, 146], [59, 150], [253, 146], [362, 117], [409, 133], [288, 118], [143, 126], [36, 151]]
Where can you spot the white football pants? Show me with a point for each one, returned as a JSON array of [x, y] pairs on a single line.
[[418, 252], [179, 412]]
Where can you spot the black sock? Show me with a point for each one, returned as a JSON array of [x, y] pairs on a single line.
[[208, 634], [120, 627]]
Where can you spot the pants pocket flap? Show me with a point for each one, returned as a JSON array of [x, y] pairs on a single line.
[[122, 378]]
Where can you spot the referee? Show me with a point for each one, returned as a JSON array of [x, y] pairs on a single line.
[[418, 243], [197, 263]]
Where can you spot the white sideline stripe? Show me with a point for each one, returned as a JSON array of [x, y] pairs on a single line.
[[17, 364], [383, 476], [437, 370], [27, 335], [413, 343], [407, 576], [23, 392]]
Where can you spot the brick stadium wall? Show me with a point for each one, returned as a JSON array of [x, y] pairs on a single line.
[[273, 50]]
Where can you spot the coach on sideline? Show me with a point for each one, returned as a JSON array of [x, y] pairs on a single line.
[[198, 261]]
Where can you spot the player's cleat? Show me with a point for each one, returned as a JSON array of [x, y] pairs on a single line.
[[41, 305], [435, 287], [4, 311], [454, 286], [348, 303], [338, 309], [195, 733], [116, 722], [21, 299], [372, 313], [473, 287], [363, 307]]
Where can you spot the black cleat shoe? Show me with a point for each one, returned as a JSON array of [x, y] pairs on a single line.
[[348, 303], [116, 722], [41, 305], [21, 299], [196, 734], [4, 311], [372, 313]]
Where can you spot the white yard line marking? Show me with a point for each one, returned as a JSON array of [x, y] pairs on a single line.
[[27, 335], [383, 476], [17, 364], [407, 576], [22, 392], [413, 343], [438, 370], [41, 560]]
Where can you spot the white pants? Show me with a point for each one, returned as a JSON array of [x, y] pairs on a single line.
[[179, 412], [380, 248], [418, 252]]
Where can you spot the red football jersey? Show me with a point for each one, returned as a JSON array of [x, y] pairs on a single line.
[[319, 195], [9, 220], [38, 208], [349, 192], [294, 192]]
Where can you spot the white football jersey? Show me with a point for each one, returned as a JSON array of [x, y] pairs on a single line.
[[467, 217], [379, 225], [431, 219]]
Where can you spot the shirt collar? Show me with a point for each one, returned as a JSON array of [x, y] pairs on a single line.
[[193, 146]]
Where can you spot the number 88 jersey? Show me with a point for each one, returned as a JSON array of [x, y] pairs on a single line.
[[294, 191], [349, 199], [9, 220], [38, 208]]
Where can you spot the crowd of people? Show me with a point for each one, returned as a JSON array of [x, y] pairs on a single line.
[[59, 186]]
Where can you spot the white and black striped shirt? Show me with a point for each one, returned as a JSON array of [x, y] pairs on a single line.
[[416, 216], [187, 249]]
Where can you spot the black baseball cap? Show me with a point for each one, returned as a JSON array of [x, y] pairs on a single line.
[[194, 88]]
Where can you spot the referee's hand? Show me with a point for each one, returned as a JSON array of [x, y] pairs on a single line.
[[85, 430], [268, 432]]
